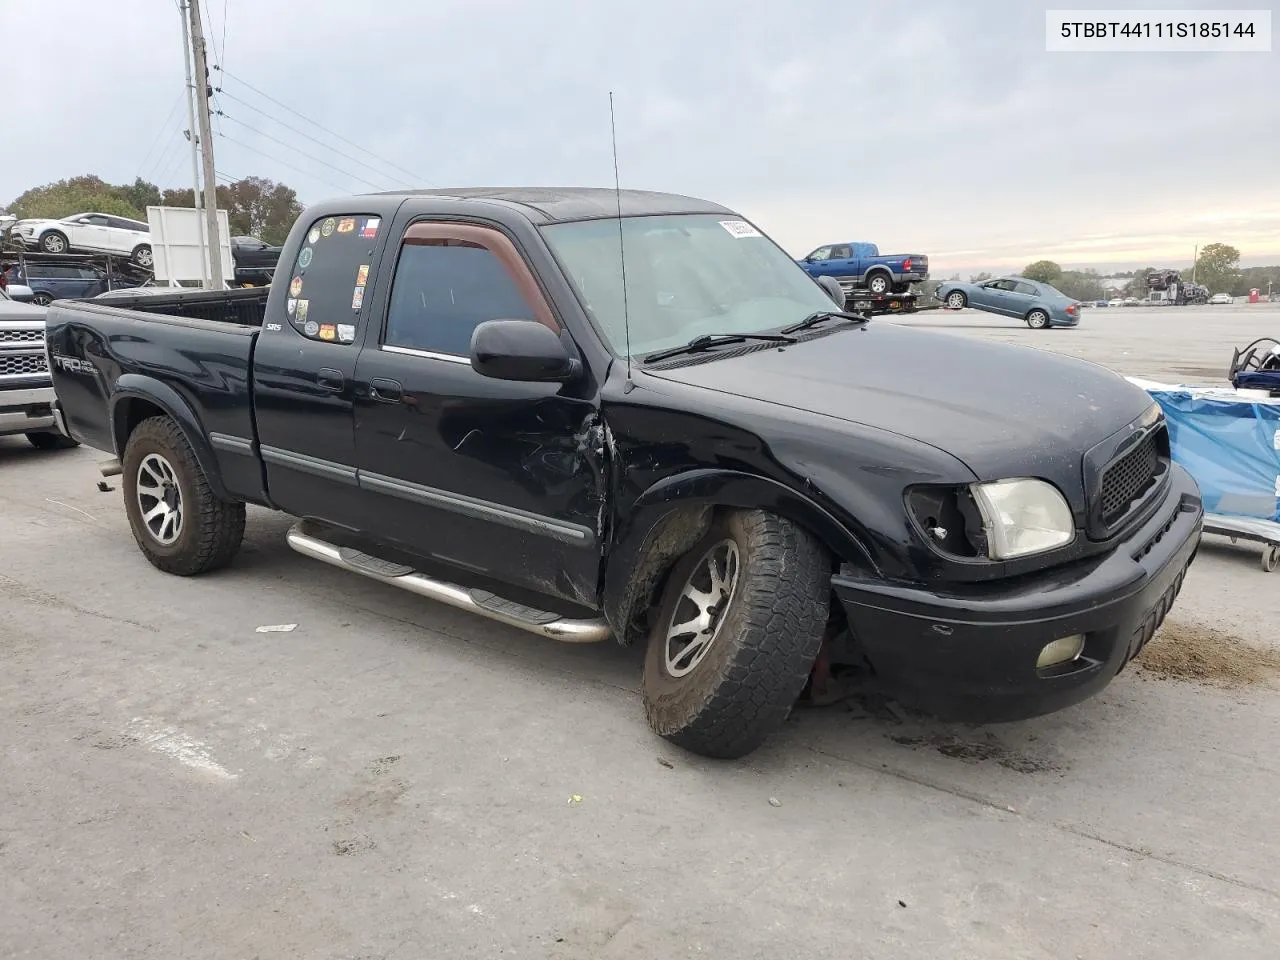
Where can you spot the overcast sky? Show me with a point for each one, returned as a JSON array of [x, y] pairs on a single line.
[[936, 128]]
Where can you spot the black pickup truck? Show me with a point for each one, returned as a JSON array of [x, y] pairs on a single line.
[[593, 415]]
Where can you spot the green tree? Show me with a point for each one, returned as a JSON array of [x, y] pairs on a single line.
[[76, 195], [1218, 267], [255, 207], [1045, 271], [1081, 285], [140, 195], [979, 277]]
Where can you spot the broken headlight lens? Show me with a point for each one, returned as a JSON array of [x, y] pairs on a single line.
[[1022, 517]]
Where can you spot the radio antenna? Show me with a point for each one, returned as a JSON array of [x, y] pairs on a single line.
[[622, 246]]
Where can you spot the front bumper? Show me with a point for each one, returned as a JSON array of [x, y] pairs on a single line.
[[27, 410], [969, 652]]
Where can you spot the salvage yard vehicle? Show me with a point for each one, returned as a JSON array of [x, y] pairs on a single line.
[[26, 390], [856, 265], [461, 396], [89, 233], [1039, 305]]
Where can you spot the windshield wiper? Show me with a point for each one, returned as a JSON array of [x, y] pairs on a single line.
[[708, 340], [813, 319]]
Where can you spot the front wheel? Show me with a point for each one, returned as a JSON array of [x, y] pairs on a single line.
[[48, 440], [180, 525], [1037, 319], [42, 299], [143, 256], [957, 300], [53, 242], [737, 633]]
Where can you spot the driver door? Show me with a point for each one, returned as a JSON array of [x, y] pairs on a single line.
[[90, 232], [818, 263], [495, 477]]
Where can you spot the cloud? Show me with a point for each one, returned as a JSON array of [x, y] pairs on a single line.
[[936, 128]]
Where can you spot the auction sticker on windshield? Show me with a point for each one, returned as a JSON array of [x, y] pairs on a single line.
[[740, 228]]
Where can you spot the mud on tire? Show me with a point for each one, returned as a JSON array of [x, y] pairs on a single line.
[[211, 529], [729, 698]]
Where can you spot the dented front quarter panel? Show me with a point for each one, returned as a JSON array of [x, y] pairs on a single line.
[[676, 448]]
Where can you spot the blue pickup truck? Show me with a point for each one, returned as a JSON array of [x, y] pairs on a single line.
[[862, 265]]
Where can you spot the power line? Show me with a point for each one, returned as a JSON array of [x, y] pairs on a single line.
[[345, 173], [301, 133], [160, 133], [332, 133], [286, 163], [162, 160], [223, 56]]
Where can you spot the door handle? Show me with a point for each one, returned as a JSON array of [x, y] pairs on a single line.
[[330, 379], [386, 391]]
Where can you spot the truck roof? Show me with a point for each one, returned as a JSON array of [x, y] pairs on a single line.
[[561, 204]]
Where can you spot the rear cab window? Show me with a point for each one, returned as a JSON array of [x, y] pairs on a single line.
[[330, 277]]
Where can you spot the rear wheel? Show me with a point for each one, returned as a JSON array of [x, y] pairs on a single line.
[[53, 242], [957, 300], [142, 255], [180, 525], [1037, 320], [42, 299], [48, 440], [737, 633], [879, 282]]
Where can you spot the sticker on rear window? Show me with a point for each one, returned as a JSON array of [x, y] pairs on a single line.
[[362, 275], [327, 228], [740, 228], [346, 224], [357, 298], [303, 309], [370, 229], [314, 235], [346, 332], [291, 304], [295, 286], [304, 258]]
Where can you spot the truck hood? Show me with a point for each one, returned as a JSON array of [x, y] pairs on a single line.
[[1005, 411]]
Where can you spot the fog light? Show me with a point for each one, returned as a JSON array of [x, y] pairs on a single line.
[[1060, 651]]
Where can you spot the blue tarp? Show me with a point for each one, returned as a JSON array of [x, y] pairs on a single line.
[[1229, 442]]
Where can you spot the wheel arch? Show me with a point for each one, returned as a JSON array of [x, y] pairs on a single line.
[[138, 398], [672, 515]]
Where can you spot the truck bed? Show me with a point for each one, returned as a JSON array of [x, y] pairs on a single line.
[[112, 360]]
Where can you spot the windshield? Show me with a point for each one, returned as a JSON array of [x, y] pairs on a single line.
[[687, 275], [74, 217]]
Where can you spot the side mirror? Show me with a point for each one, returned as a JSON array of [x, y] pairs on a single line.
[[522, 350], [20, 293], [832, 286]]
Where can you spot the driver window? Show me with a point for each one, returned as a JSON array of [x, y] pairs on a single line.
[[822, 253]]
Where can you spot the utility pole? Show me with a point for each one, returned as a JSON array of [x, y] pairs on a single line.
[[206, 146], [191, 136], [1195, 262]]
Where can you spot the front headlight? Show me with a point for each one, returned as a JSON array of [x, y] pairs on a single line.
[[1022, 517]]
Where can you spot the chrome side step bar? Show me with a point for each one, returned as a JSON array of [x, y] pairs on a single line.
[[541, 622]]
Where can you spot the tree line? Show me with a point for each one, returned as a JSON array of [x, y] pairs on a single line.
[[255, 206], [1217, 267]]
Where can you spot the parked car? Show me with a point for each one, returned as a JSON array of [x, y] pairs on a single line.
[[1038, 304], [26, 389], [89, 233], [1219, 298], [52, 280], [1117, 302], [863, 265], [462, 398], [1102, 303], [255, 260], [1132, 302]]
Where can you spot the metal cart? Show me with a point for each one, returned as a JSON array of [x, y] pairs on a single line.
[[1265, 532]]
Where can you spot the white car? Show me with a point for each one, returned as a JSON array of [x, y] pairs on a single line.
[[1117, 302], [90, 233], [1222, 298]]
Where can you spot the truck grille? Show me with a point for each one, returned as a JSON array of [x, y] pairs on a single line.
[[21, 336], [23, 365], [1129, 477]]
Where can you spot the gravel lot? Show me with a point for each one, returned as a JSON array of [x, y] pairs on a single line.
[[394, 779]]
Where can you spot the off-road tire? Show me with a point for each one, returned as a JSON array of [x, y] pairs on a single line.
[[211, 528], [758, 663], [50, 440]]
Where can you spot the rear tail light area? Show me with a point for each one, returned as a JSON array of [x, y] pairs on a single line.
[[906, 264], [1071, 309]]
